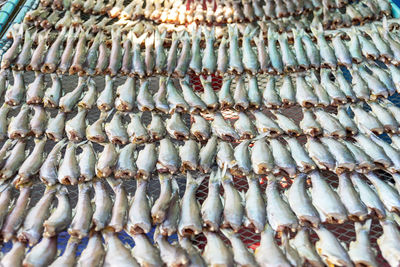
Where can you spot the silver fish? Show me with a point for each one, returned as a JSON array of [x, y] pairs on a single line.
[[15, 256], [145, 253], [233, 213], [168, 157], [115, 130], [305, 249], [82, 218], [176, 127], [16, 216], [360, 250], [61, 216], [43, 253], [156, 128], [103, 206], [32, 163], [116, 254], [38, 121], [216, 253], [300, 202], [106, 161], [388, 241], [93, 254], [211, 209], [146, 161], [136, 131], [207, 154], [326, 200], [283, 160], [90, 97], [190, 218], [275, 256], [18, 127], [255, 211], [139, 216], [48, 172], [329, 248], [171, 254], [68, 171], [350, 199], [280, 216], [125, 95], [14, 161]]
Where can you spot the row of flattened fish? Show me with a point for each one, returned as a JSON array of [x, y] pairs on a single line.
[[356, 13], [182, 12], [293, 210], [384, 117], [331, 88], [126, 56], [311, 89], [289, 157]]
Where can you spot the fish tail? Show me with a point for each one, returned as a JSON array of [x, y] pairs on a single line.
[[366, 226]]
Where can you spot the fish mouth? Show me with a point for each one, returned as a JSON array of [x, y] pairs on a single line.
[[124, 106], [118, 140], [247, 135], [143, 174], [272, 132], [155, 136], [228, 137], [18, 135], [180, 136], [200, 136], [139, 228], [290, 68], [141, 139], [371, 56], [240, 107], [75, 69], [188, 166], [263, 168], [68, 180], [293, 133], [308, 104], [145, 108], [34, 100], [18, 66], [97, 138], [29, 67], [337, 135], [226, 105], [104, 107], [211, 226], [166, 168], [307, 220], [350, 132], [328, 65], [74, 136], [306, 168], [188, 231], [49, 230], [314, 132], [255, 105], [334, 219], [77, 233], [124, 174]]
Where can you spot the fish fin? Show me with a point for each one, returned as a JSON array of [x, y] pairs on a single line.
[[228, 233], [191, 180]]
